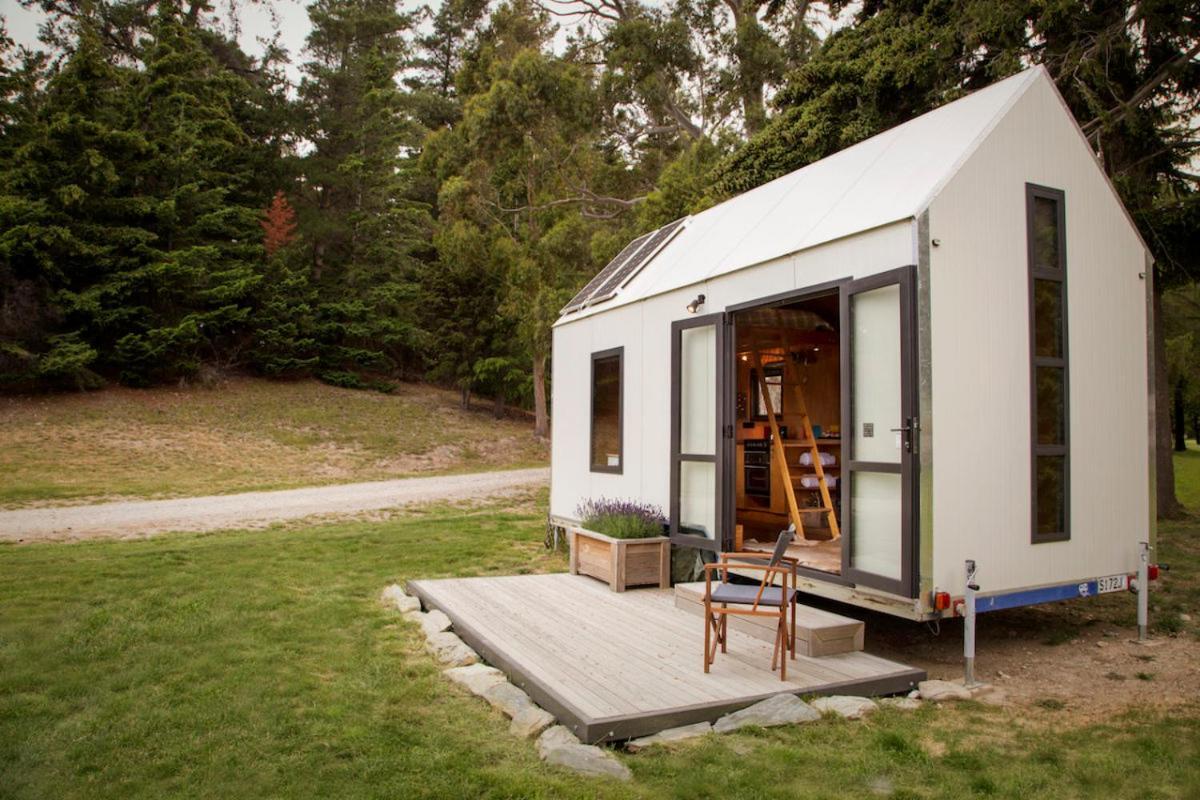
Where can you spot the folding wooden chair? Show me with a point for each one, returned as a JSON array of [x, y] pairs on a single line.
[[764, 600]]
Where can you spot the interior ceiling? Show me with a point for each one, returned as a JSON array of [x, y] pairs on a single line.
[[816, 314]]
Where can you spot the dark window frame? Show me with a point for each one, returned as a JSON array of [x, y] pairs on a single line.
[[1033, 192], [602, 355]]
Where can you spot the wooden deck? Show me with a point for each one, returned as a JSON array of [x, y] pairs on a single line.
[[613, 666]]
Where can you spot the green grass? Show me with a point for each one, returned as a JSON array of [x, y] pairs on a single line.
[[1187, 476], [259, 664], [242, 436]]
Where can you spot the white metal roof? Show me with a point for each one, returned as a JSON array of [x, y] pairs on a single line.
[[890, 177]]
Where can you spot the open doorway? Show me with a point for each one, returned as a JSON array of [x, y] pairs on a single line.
[[788, 429]]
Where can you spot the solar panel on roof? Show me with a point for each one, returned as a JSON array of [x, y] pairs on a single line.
[[581, 298], [620, 276]]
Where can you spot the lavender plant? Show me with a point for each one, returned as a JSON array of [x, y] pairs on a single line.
[[621, 519]]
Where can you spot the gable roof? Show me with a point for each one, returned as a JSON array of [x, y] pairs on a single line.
[[890, 177]]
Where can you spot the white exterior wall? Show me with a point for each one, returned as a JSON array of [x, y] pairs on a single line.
[[981, 362], [644, 330]]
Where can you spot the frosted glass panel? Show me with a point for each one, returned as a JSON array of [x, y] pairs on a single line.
[[875, 523], [875, 392], [698, 390], [697, 498]]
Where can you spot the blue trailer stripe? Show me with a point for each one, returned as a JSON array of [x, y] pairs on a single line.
[[1031, 597]]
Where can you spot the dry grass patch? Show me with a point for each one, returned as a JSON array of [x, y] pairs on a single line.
[[242, 436]]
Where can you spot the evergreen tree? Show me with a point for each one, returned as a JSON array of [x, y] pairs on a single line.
[[71, 227], [364, 234], [193, 297]]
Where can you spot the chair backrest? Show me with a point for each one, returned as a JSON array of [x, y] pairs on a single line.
[[781, 546]]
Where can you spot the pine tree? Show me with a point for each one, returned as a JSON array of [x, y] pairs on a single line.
[[70, 224], [364, 234], [194, 295]]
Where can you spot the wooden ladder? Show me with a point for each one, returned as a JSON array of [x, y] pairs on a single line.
[[779, 449]]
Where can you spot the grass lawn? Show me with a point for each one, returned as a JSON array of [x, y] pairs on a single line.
[[259, 664], [245, 435]]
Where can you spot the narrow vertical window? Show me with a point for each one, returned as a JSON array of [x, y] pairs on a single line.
[[1050, 417], [606, 447]]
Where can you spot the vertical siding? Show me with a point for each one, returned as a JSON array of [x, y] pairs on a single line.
[[980, 361], [644, 330]]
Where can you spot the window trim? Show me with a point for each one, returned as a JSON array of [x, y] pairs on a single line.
[[619, 354], [1033, 192]]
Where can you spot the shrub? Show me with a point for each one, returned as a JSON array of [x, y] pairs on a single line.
[[621, 519]]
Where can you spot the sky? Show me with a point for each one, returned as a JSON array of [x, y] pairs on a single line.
[[256, 24]]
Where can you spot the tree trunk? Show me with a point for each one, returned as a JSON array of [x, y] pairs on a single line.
[[1196, 429], [1164, 468], [1180, 428], [498, 405], [464, 400], [541, 417]]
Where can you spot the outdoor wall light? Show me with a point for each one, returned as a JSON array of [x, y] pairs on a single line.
[[694, 306]]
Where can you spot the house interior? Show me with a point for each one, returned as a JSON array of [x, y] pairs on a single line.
[[788, 429]]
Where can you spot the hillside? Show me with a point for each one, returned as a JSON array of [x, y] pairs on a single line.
[[245, 435]]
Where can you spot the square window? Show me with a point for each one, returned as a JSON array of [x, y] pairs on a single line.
[[1051, 404], [1051, 502], [1047, 318], [1044, 229]]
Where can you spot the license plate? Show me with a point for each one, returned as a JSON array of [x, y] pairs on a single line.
[[1110, 583]]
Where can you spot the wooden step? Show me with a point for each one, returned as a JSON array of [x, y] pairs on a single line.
[[818, 632]]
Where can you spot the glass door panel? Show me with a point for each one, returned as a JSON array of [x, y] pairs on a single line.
[[875, 362], [697, 386]]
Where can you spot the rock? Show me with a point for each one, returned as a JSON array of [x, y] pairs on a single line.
[[782, 709], [394, 597], [508, 699], [1185, 617], [530, 722], [449, 649], [1101, 644], [558, 736], [433, 622], [559, 746], [915, 694], [670, 736], [901, 703], [942, 691], [477, 678], [845, 706]]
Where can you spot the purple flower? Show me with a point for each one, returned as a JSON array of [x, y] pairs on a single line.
[[621, 519]]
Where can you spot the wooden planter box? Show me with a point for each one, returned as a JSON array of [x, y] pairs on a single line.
[[621, 562]]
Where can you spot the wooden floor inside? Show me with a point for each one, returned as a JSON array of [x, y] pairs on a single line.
[[613, 666], [825, 556]]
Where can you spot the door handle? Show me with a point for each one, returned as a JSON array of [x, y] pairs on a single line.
[[907, 429]]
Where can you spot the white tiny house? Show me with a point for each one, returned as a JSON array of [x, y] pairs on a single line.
[[929, 348]]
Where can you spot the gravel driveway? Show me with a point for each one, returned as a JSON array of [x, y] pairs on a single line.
[[145, 517]]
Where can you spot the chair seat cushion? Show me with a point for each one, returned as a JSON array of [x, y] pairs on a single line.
[[744, 594]]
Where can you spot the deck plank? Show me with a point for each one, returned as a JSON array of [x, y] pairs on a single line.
[[613, 665]]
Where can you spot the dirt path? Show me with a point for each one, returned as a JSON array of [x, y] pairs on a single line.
[[145, 517]]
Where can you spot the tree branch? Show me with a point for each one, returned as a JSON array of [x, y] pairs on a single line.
[[1121, 110]]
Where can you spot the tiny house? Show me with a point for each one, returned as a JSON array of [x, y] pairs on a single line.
[[928, 348]]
